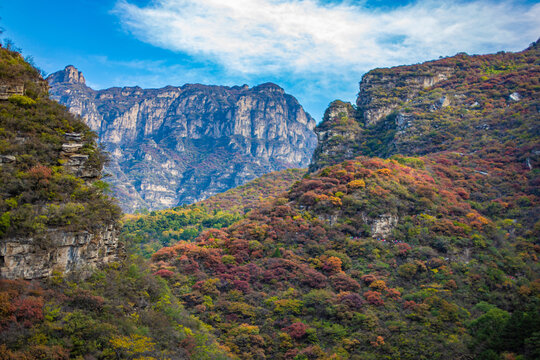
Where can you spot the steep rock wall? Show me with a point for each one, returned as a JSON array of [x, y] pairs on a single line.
[[178, 145], [31, 258]]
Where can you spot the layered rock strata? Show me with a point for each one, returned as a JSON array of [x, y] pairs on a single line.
[[65, 252]]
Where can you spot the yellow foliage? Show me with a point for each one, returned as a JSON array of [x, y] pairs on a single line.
[[385, 171], [378, 284], [133, 344], [358, 183]]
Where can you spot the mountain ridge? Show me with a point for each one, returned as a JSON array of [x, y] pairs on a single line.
[[435, 106], [176, 145]]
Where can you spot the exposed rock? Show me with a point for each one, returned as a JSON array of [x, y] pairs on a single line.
[[70, 75], [383, 91], [30, 258], [441, 103], [382, 227], [73, 136], [178, 145], [7, 159], [337, 136], [8, 90], [71, 148], [514, 96], [403, 121]]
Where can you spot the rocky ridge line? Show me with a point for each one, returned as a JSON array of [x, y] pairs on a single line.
[[179, 145]]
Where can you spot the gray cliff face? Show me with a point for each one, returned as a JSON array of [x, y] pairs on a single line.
[[178, 145], [65, 252], [59, 249]]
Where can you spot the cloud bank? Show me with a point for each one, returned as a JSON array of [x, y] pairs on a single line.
[[308, 36]]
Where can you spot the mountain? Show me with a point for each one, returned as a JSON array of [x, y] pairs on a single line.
[[54, 214], [59, 229], [414, 236], [460, 103], [178, 145]]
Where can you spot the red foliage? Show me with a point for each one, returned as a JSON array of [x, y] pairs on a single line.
[[374, 298], [343, 282], [187, 265], [164, 273], [409, 304], [403, 248], [450, 284], [352, 300], [86, 300], [379, 341], [393, 293], [368, 278], [313, 278], [241, 285], [296, 330], [331, 264], [189, 344], [165, 253], [41, 173], [463, 193], [28, 310]]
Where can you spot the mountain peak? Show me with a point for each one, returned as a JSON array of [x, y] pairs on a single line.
[[70, 75], [269, 87]]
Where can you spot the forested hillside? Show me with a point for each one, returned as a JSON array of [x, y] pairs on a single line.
[[147, 233], [58, 227], [429, 254]]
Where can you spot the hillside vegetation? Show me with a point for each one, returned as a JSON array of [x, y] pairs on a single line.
[[37, 190], [147, 233], [304, 277], [414, 236], [122, 310], [429, 254]]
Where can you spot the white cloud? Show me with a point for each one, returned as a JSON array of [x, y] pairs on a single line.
[[308, 36]]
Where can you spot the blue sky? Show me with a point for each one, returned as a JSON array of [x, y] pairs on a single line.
[[316, 50]]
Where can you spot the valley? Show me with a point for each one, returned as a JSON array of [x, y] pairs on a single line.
[[412, 234]]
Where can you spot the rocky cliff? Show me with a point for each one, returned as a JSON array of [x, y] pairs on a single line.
[[441, 105], [81, 251], [178, 145], [54, 214], [31, 255]]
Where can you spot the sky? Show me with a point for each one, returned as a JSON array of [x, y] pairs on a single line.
[[316, 50]]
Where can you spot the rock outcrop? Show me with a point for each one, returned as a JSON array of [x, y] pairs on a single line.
[[337, 136], [178, 145], [441, 105], [65, 252], [384, 90], [54, 212]]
